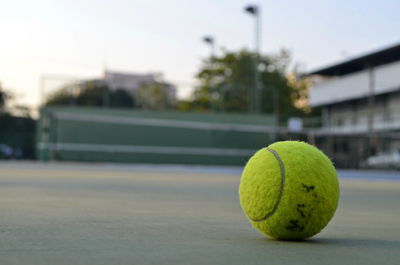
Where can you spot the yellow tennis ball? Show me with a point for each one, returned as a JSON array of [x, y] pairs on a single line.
[[289, 190]]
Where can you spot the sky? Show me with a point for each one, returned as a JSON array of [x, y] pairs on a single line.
[[80, 38]]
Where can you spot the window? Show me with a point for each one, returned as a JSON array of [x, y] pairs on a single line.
[[354, 114], [339, 121]]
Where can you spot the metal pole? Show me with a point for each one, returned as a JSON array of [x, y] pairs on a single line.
[[41, 89], [212, 55], [211, 42], [276, 103], [213, 108], [255, 95], [257, 87], [371, 108]]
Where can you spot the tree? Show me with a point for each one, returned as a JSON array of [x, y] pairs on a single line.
[[17, 127], [227, 81], [4, 96], [156, 96], [120, 98], [91, 93]]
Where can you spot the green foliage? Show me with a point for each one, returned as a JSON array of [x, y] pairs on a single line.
[[156, 96], [4, 96], [226, 84], [60, 97], [91, 93], [184, 105], [150, 96], [121, 99], [17, 132]]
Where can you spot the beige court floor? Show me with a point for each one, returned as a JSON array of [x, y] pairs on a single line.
[[108, 214]]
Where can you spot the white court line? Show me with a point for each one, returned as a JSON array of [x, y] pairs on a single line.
[[165, 123]]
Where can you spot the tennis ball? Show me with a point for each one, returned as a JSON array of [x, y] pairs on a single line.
[[289, 190]]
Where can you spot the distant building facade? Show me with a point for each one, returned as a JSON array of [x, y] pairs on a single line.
[[132, 82], [128, 81], [361, 94]]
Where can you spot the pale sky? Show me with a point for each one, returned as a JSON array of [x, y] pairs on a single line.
[[80, 37]]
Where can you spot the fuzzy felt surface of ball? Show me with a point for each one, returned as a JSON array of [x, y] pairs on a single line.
[[289, 190]]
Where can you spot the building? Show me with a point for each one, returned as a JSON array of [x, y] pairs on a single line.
[[360, 103], [132, 82], [361, 94], [128, 81]]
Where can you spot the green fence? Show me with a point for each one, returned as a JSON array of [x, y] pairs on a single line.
[[103, 135]]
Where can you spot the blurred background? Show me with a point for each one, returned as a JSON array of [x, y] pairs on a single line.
[[206, 83]]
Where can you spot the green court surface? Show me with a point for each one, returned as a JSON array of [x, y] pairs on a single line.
[[111, 214]]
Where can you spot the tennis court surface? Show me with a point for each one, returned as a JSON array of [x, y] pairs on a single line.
[[120, 214]]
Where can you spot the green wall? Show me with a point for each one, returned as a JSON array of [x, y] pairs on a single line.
[[102, 135]]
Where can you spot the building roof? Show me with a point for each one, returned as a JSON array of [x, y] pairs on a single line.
[[380, 57]]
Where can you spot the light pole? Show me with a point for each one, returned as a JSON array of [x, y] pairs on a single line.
[[255, 99], [371, 109], [211, 42]]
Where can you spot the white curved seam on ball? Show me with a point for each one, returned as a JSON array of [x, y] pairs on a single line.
[[282, 169]]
